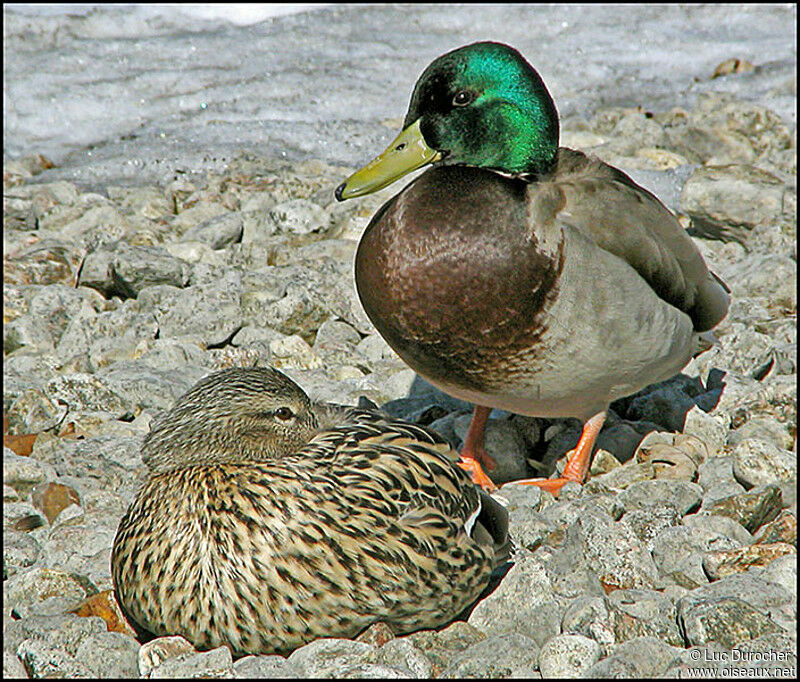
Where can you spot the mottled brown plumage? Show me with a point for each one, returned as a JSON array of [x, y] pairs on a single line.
[[268, 521]]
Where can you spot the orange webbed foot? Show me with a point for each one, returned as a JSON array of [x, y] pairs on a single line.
[[479, 477], [578, 459]]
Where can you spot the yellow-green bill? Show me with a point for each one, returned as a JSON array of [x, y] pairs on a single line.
[[406, 153]]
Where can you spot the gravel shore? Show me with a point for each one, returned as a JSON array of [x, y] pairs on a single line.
[[186, 223], [678, 553]]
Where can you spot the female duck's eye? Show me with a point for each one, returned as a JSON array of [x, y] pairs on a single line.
[[284, 414], [463, 97]]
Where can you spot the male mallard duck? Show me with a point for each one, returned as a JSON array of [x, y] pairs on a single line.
[[518, 274], [268, 521]]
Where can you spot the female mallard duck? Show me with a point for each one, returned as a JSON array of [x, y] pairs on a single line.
[[516, 274], [268, 521]]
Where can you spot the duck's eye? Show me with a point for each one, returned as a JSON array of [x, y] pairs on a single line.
[[284, 414], [463, 97]]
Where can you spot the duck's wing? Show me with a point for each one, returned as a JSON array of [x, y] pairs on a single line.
[[409, 471], [628, 221]]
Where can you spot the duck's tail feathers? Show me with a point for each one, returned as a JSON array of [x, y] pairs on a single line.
[[491, 528], [710, 304]]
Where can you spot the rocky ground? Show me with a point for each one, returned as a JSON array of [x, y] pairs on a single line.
[[679, 552]]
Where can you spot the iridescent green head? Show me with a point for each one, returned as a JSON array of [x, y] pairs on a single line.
[[486, 106], [481, 105]]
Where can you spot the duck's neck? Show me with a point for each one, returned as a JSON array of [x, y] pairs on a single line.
[[518, 133], [529, 140]]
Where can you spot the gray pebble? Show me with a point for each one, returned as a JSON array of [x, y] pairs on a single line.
[[217, 232], [12, 666], [40, 660], [88, 392], [591, 617], [209, 313], [642, 657], [711, 429], [756, 462], [336, 341], [9, 494], [121, 269], [37, 584], [783, 572], [401, 654], [571, 573], [678, 551], [23, 473], [621, 478], [109, 336], [566, 656], [523, 603], [643, 613], [774, 652], [752, 509], [111, 654], [648, 522], [715, 470], [720, 491], [526, 525], [264, 667], [569, 512], [768, 599], [618, 557], [197, 214], [670, 462], [374, 348], [298, 216], [372, 671], [93, 227], [726, 202], [681, 495], [724, 525], [441, 647], [33, 411], [145, 386], [214, 663], [767, 275], [767, 429], [20, 551], [508, 655], [155, 652], [64, 632], [328, 657]]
